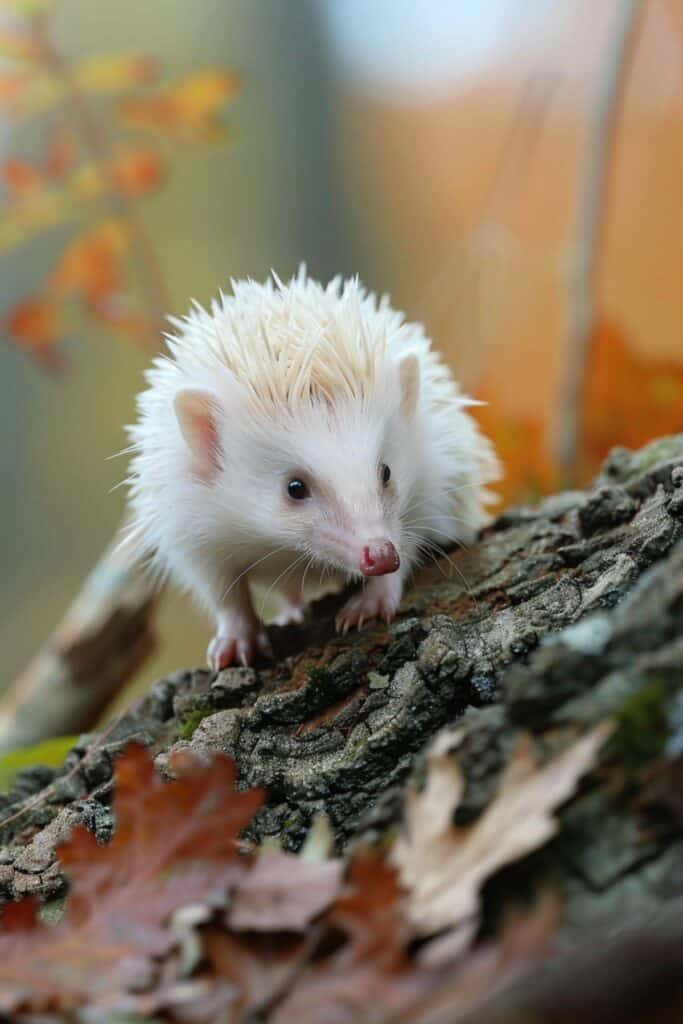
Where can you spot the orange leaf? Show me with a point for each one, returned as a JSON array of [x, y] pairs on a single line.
[[90, 266], [521, 446], [630, 398], [189, 108], [33, 325], [20, 176], [139, 171]]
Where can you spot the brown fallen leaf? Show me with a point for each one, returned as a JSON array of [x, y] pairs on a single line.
[[443, 866], [174, 845], [282, 892]]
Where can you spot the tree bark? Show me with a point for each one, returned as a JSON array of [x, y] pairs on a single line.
[[560, 616]]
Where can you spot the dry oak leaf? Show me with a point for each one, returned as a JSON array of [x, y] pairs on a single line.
[[174, 845], [283, 892], [371, 975], [443, 866], [189, 108]]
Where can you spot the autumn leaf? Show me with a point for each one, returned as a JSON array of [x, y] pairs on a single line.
[[630, 398], [443, 866], [90, 265], [521, 445], [187, 109], [33, 325], [284, 893], [20, 176], [174, 845], [139, 171], [25, 91], [113, 73]]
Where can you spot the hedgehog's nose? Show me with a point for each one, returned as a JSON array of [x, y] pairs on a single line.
[[378, 558]]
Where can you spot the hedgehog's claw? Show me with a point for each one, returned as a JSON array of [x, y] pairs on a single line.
[[238, 647], [378, 600]]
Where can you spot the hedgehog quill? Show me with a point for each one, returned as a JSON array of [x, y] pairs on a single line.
[[295, 431]]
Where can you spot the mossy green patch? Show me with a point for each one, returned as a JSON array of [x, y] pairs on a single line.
[[318, 675], [191, 722], [662, 450], [49, 752], [642, 727]]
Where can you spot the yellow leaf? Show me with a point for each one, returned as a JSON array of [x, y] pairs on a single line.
[[189, 108], [204, 93], [117, 72]]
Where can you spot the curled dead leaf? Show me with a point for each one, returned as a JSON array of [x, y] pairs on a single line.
[[443, 866]]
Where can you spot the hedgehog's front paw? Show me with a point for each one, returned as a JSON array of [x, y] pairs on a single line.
[[379, 599], [237, 642]]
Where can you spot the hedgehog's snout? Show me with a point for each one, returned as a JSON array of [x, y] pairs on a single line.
[[378, 558]]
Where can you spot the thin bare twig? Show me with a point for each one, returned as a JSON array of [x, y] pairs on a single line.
[[582, 298]]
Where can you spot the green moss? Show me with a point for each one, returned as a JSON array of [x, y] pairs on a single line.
[[49, 752], [318, 675], [641, 730], [662, 450], [191, 722]]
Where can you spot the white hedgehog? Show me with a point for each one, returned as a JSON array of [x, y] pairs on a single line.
[[297, 427]]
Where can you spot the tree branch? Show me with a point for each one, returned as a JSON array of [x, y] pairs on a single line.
[[582, 299]]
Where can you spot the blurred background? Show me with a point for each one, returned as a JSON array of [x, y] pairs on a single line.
[[434, 148]]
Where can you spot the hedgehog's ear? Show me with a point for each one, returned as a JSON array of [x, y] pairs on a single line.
[[197, 413], [409, 383]]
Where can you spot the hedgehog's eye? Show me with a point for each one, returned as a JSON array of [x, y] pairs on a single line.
[[298, 490], [385, 473]]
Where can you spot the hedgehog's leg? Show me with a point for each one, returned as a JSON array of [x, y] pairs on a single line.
[[240, 635], [379, 599]]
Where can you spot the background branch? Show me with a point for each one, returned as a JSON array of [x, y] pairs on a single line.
[[582, 301]]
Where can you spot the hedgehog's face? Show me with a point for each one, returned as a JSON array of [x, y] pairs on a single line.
[[331, 484], [342, 507], [345, 483]]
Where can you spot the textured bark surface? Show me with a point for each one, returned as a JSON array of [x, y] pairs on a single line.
[[560, 616]]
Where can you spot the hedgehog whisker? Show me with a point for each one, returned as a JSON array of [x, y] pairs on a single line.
[[275, 551], [275, 582]]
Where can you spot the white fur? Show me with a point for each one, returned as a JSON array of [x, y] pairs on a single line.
[[306, 381]]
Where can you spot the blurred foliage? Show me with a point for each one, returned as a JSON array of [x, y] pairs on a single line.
[[49, 752], [97, 162]]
